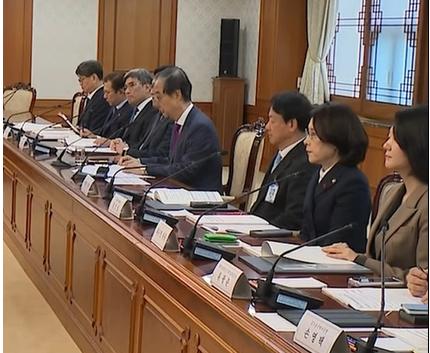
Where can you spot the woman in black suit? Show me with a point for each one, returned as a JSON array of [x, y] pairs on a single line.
[[338, 193]]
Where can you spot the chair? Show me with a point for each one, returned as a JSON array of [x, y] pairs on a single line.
[[18, 100], [78, 103], [245, 159], [384, 185]]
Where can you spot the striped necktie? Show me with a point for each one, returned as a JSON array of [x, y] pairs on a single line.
[[278, 160]]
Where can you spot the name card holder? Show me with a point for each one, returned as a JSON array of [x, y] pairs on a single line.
[[121, 207], [231, 281], [23, 142], [6, 132], [164, 239], [89, 187], [319, 335]]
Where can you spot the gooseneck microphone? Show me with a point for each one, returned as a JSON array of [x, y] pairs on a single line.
[[189, 243], [264, 290], [109, 187], [141, 206], [58, 162]]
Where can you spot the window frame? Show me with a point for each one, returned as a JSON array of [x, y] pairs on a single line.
[[385, 111]]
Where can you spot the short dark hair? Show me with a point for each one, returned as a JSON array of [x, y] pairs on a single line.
[[142, 75], [89, 67], [176, 79], [338, 125], [411, 133], [116, 79], [293, 105], [161, 68]]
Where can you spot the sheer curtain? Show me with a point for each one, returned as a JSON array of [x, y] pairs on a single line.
[[321, 27]]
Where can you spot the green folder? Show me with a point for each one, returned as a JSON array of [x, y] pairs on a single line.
[[220, 238]]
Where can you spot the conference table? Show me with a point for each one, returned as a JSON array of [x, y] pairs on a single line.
[[112, 289]]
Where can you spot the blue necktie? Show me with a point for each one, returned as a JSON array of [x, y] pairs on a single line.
[[278, 160], [134, 114]]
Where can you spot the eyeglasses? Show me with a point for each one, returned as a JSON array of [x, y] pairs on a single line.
[[311, 135]]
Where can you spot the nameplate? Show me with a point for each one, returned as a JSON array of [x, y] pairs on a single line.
[[87, 185], [230, 280], [22, 142], [163, 237], [319, 335], [120, 207], [6, 132]]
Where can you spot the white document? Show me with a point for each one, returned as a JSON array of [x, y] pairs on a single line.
[[311, 254], [184, 197], [105, 150], [276, 322], [30, 127], [113, 169], [250, 249], [91, 169], [127, 180], [391, 344], [178, 214], [229, 219], [306, 282], [75, 144], [237, 228], [418, 338], [369, 299], [56, 134]]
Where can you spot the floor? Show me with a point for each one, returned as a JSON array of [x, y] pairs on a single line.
[[29, 324]]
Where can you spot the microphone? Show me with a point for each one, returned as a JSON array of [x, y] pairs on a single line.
[[189, 246], [109, 188], [21, 131], [369, 346], [36, 138], [6, 123], [140, 208], [276, 297]]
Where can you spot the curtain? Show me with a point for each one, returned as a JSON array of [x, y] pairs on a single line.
[[321, 27]]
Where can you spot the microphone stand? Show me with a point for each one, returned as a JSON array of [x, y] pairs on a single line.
[[369, 346], [190, 247]]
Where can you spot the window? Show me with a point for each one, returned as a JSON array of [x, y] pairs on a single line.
[[379, 55]]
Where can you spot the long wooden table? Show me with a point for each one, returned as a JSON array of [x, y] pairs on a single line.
[[112, 289]]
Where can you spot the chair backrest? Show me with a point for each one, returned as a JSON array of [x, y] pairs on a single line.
[[18, 100], [78, 102], [245, 158], [384, 185]]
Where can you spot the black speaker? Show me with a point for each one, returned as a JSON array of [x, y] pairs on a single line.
[[229, 47]]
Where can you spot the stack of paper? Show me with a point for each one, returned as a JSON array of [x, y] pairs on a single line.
[[369, 299], [311, 254], [127, 180], [184, 197], [417, 338], [76, 143], [305, 282], [232, 223]]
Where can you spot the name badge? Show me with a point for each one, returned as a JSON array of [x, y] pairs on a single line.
[[86, 184], [225, 277], [317, 334], [272, 190], [22, 142], [161, 235], [117, 204], [6, 132]]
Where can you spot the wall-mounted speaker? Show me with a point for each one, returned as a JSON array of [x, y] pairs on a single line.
[[229, 47]]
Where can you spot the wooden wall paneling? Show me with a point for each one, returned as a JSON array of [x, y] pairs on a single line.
[[84, 268], [281, 55], [106, 34], [49, 108], [21, 206], [36, 242], [8, 195], [17, 32], [137, 34], [373, 166], [167, 30], [118, 285]]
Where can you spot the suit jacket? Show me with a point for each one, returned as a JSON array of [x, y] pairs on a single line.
[[287, 209], [342, 197], [113, 124], [198, 139], [95, 113], [141, 126], [156, 143], [406, 239]]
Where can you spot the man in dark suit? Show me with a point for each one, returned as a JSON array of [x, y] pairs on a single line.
[[120, 111], [90, 76], [281, 203], [193, 138], [138, 83]]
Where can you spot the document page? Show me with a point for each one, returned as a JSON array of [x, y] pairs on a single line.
[[311, 254], [369, 299], [418, 338], [184, 197]]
